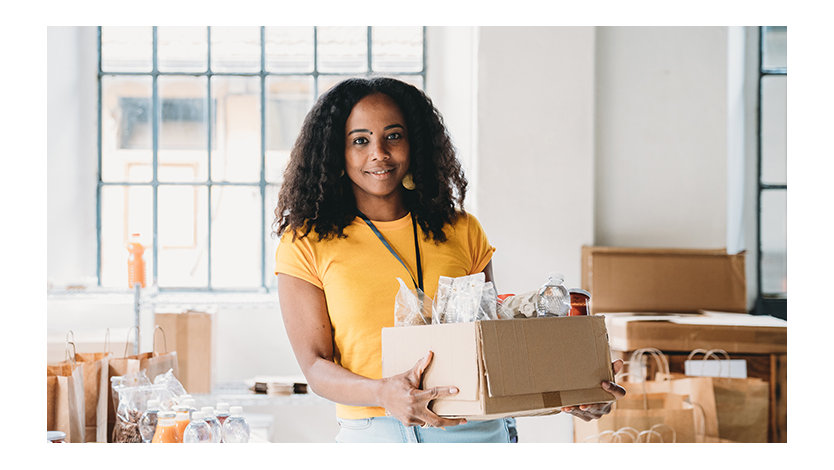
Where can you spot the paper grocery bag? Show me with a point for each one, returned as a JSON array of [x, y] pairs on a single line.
[[95, 388], [65, 400], [742, 406], [155, 363], [667, 425]]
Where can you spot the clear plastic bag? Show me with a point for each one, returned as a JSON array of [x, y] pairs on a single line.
[[131, 394], [175, 390], [465, 299], [519, 306], [411, 307]]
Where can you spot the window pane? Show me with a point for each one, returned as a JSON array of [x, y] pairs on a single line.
[[342, 49], [774, 242], [397, 49], [125, 210], [774, 129], [183, 49], [238, 129], [183, 128], [126, 49], [235, 236], [289, 49], [775, 45], [288, 101], [271, 241], [126, 129], [236, 49], [182, 236]]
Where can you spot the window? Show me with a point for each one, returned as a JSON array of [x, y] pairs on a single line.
[[772, 173], [195, 129]]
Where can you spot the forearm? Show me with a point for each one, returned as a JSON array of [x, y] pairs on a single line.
[[335, 383]]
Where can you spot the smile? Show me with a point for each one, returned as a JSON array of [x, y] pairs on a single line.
[[380, 172]]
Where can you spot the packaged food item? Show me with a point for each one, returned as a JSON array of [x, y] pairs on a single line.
[[166, 428], [182, 418], [411, 306], [553, 299], [580, 302]]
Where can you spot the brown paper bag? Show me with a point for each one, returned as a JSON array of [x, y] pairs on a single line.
[[116, 367], [741, 405], [95, 389], [155, 363], [65, 400]]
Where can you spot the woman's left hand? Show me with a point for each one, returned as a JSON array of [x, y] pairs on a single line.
[[597, 410]]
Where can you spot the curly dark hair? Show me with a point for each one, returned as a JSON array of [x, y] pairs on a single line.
[[316, 196]]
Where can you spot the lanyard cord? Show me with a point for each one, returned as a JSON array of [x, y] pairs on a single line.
[[416, 248]]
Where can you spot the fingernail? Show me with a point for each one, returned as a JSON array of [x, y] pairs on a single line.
[[606, 385], [453, 390]]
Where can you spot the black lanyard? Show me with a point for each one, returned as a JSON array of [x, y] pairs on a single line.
[[416, 248]]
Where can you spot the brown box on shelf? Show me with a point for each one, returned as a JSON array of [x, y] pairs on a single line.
[[190, 335], [663, 280], [519, 367]]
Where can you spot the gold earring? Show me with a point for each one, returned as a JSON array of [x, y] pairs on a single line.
[[342, 173], [408, 182]]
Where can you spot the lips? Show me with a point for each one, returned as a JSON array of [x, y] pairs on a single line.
[[380, 171]]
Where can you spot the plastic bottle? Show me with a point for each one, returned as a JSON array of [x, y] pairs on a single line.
[[553, 299], [189, 403], [214, 424], [183, 417], [148, 421], [222, 410], [166, 428], [135, 262], [198, 430], [235, 428]]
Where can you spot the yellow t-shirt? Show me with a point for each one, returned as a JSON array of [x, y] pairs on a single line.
[[359, 278]]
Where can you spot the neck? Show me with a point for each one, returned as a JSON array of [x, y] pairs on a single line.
[[383, 210]]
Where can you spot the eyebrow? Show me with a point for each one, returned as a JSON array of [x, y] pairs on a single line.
[[385, 129]]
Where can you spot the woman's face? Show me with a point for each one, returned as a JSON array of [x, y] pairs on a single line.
[[376, 149]]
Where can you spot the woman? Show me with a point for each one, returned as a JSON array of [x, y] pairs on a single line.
[[373, 191]]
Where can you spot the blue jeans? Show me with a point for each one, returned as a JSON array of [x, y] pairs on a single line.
[[390, 429]]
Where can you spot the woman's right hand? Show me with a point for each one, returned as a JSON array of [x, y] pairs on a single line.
[[402, 397]]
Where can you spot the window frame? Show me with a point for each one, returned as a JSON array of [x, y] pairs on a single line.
[[262, 184], [766, 303]]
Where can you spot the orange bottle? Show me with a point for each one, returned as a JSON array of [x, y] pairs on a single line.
[[183, 417], [166, 429], [135, 262]]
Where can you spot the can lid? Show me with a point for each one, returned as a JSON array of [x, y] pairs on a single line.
[[579, 291], [55, 435]]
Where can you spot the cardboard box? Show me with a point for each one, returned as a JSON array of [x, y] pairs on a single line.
[[663, 280], [734, 333], [519, 367], [190, 335]]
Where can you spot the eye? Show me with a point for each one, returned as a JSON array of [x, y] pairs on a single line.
[[360, 141], [394, 136]]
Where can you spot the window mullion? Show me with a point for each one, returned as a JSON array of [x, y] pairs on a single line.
[[155, 115], [209, 126]]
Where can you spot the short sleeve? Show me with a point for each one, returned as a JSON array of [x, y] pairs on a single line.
[[296, 258], [479, 246]]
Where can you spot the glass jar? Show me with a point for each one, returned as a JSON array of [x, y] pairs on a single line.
[[166, 428], [580, 302]]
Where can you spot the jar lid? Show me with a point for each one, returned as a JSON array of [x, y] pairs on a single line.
[[55, 435], [166, 414], [580, 291]]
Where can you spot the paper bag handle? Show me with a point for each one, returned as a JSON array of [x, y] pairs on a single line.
[[107, 342], [67, 356], [164, 339], [127, 339], [712, 353]]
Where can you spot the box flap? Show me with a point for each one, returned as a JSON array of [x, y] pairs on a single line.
[[455, 362], [514, 349]]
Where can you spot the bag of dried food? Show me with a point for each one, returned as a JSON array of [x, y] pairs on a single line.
[[133, 392]]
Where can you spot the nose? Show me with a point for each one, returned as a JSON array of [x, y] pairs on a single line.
[[378, 150]]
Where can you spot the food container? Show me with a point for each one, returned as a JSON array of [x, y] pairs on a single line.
[[580, 302]]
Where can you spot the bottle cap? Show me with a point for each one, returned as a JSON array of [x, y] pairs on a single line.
[[207, 410], [236, 410], [167, 414], [197, 416], [222, 407], [190, 403]]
